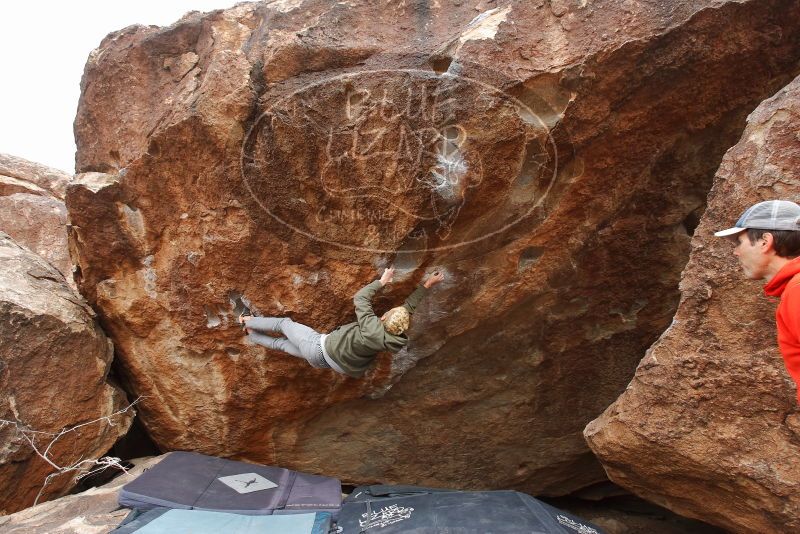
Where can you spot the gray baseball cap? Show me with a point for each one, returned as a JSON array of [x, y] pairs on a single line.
[[767, 215]]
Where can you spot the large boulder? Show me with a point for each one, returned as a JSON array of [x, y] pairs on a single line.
[[54, 360], [32, 209], [708, 427], [551, 157]]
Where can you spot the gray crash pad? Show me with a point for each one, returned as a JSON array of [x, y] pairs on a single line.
[[188, 480]]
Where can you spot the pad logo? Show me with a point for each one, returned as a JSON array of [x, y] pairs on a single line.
[[247, 482], [385, 517], [574, 525]]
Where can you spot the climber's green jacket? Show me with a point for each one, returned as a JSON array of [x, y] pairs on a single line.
[[355, 345]]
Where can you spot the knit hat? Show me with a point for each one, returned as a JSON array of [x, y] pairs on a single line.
[[397, 320], [767, 215]]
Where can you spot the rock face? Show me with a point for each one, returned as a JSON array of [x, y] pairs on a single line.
[[95, 511], [711, 406], [53, 365], [552, 158], [32, 209]]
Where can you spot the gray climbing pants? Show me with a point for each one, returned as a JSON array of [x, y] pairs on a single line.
[[301, 340]]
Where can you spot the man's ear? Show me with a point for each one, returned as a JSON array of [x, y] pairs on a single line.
[[769, 242]]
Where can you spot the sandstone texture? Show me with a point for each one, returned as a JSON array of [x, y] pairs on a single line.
[[54, 360], [708, 427], [552, 158], [32, 209], [94, 511]]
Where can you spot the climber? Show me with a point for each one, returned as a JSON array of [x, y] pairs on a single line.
[[351, 348], [767, 238]]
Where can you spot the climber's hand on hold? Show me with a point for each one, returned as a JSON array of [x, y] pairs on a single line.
[[434, 279], [387, 276]]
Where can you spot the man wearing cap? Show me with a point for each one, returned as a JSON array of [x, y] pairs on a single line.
[[767, 238]]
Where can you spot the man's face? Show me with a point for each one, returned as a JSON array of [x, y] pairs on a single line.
[[753, 257]]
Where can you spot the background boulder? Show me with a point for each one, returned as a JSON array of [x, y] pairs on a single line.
[[553, 158], [709, 426], [31, 177], [54, 360], [32, 209]]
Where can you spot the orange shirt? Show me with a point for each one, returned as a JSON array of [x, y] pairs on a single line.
[[786, 285]]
